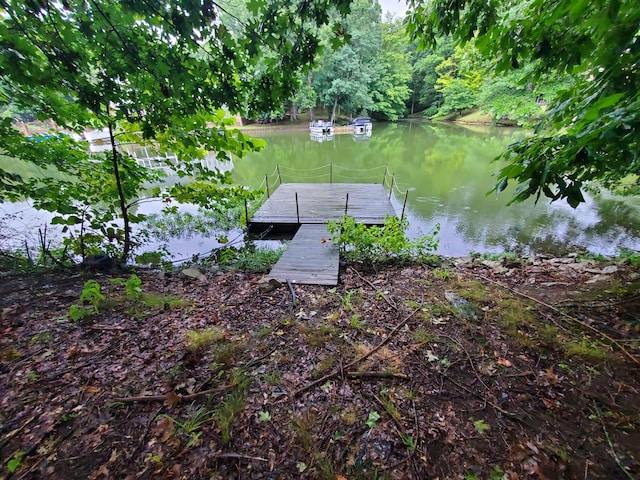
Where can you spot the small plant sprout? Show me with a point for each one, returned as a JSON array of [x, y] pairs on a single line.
[[264, 417], [372, 419], [481, 426], [409, 442], [90, 294], [15, 461], [133, 287]]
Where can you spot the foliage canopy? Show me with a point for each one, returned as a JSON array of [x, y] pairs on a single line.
[[146, 71], [591, 132]]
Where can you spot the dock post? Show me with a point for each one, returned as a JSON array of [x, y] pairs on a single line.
[[297, 209], [266, 180], [384, 179], [346, 205], [404, 205], [279, 177], [330, 172], [246, 211], [393, 179]]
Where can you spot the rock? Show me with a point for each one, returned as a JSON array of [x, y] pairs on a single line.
[[595, 271], [269, 285], [580, 266], [193, 272], [562, 260], [495, 266], [464, 262], [609, 270], [512, 263], [101, 263], [598, 278]]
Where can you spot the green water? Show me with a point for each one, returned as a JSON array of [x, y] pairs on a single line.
[[447, 170]]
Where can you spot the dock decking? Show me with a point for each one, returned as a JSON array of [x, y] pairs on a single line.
[[311, 258], [303, 209], [319, 202]]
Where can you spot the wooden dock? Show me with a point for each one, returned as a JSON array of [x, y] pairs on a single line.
[[311, 258], [293, 204], [303, 209]]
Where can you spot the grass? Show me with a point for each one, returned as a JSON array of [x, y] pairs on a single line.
[[225, 351], [226, 413], [199, 340], [319, 336]]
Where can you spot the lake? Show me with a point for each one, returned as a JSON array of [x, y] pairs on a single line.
[[447, 170]]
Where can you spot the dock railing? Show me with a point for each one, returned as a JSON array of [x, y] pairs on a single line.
[[326, 172]]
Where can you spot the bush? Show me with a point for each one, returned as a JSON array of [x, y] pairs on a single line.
[[375, 244]]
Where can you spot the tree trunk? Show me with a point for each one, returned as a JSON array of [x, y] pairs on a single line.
[[126, 248], [294, 113], [333, 113]]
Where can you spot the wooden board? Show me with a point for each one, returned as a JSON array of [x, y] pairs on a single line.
[[318, 202], [311, 258]]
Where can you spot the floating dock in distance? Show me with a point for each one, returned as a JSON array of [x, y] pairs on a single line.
[[294, 204]]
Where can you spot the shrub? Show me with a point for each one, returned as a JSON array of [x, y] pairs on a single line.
[[379, 244]]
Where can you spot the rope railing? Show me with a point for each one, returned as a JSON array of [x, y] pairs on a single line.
[[387, 177]]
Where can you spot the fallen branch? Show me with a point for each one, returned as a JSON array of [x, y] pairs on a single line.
[[612, 449], [487, 401], [294, 299], [13, 433], [401, 376], [239, 456], [172, 397], [566, 315], [338, 373], [367, 281]]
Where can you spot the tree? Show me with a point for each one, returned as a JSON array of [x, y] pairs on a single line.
[[459, 80], [425, 76], [148, 72], [390, 85], [591, 130], [344, 76]]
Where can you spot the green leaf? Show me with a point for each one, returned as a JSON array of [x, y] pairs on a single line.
[[15, 462], [481, 426], [372, 419]]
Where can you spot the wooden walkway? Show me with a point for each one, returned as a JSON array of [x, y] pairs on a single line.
[[311, 258], [303, 209], [318, 202]]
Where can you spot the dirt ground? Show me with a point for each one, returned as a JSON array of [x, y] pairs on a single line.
[[461, 371]]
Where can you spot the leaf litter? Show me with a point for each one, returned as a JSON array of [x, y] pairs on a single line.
[[404, 372]]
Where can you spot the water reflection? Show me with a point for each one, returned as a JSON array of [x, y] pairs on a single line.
[[448, 169]]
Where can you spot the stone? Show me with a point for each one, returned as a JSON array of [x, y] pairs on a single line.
[[195, 273], [598, 278], [495, 266], [464, 262], [267, 285], [609, 270]]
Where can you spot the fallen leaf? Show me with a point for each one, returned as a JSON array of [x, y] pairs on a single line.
[[504, 362], [164, 429], [171, 399], [73, 352]]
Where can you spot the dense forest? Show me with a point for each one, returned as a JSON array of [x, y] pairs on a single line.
[[381, 73]]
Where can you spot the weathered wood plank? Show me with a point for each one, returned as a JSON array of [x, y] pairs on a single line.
[[319, 202], [311, 258]]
